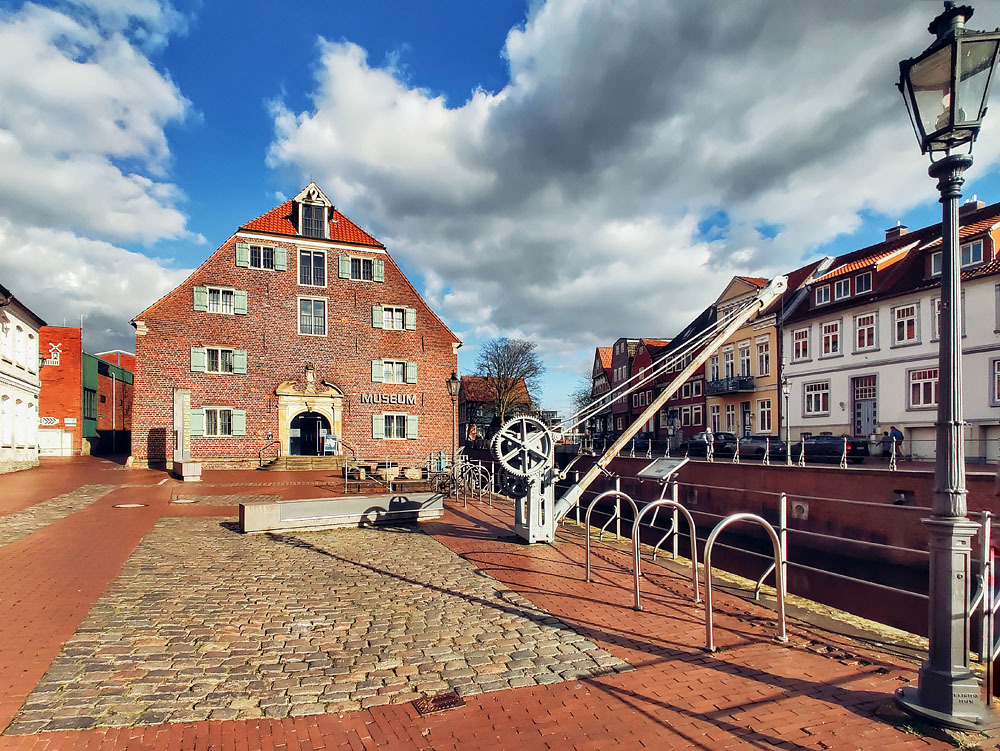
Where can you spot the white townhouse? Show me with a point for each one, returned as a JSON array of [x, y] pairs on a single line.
[[19, 384], [862, 354]]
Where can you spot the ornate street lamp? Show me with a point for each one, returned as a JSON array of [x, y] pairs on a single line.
[[946, 89], [454, 385], [786, 391]]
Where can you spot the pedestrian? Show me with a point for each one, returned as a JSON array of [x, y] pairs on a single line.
[[886, 444], [897, 439]]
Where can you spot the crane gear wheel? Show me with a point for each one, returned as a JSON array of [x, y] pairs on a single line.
[[524, 446]]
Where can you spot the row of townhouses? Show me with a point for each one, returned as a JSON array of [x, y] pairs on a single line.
[[850, 349]]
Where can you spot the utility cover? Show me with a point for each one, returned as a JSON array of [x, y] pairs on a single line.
[[662, 469]]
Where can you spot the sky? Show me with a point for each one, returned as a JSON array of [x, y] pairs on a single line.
[[565, 171]]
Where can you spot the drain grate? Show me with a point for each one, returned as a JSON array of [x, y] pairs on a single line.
[[439, 703]]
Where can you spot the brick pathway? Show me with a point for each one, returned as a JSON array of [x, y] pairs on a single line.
[[819, 691], [22, 523]]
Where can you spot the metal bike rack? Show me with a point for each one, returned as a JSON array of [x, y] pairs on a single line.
[[779, 574], [783, 534], [586, 524], [694, 544]]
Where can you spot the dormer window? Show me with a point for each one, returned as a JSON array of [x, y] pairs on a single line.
[[313, 221]]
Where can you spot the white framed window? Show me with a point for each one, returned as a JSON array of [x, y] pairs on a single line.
[[696, 388], [841, 289], [728, 362], [221, 300], [697, 414], [936, 317], [686, 391], [823, 294], [312, 316], [6, 420], [745, 359], [970, 254], [831, 338], [20, 345], [394, 427], [923, 388], [763, 415], [312, 268], [995, 382], [618, 422], [863, 283], [763, 357], [393, 371], [904, 325], [7, 340], [685, 415], [730, 418], [716, 418], [393, 318], [362, 268], [816, 398], [865, 332], [313, 221], [800, 345], [220, 360], [261, 257], [713, 361], [20, 428], [32, 355], [218, 421]]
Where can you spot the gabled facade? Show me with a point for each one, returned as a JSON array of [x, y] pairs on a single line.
[[477, 409], [600, 424], [19, 383], [622, 352], [299, 335], [648, 352], [862, 356]]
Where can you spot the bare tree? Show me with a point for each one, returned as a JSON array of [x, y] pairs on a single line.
[[580, 397], [505, 363]]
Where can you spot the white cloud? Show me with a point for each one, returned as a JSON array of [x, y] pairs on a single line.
[[566, 206]]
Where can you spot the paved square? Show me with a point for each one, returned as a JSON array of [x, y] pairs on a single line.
[[204, 623], [22, 523]]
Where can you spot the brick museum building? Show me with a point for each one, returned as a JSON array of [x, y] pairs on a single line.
[[300, 334]]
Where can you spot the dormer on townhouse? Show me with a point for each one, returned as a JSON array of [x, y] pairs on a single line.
[[313, 212]]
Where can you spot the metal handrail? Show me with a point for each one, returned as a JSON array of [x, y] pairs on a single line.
[[262, 449], [590, 508], [778, 574], [693, 531]]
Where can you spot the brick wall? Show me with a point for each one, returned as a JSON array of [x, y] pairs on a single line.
[[61, 394], [276, 352], [114, 404]]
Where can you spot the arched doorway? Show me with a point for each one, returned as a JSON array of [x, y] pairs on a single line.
[[307, 430]]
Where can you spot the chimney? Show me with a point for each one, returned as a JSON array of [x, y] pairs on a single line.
[[893, 232], [969, 206]]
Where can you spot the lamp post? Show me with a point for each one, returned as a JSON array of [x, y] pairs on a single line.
[[946, 89], [454, 384], [786, 391]]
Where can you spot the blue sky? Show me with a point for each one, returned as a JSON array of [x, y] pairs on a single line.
[[562, 170]]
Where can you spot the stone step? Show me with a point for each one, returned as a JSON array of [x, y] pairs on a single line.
[[304, 463]]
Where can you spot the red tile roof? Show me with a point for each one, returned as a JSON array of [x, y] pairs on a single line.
[[656, 342], [605, 354], [278, 221], [878, 260], [757, 281], [973, 228], [476, 389]]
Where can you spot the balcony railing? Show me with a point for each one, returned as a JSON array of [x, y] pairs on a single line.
[[729, 385]]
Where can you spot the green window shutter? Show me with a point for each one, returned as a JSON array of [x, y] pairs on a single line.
[[280, 259], [411, 319], [239, 422], [345, 267], [199, 360], [376, 316], [411, 427], [197, 422], [243, 255], [411, 372], [240, 361], [201, 299], [240, 302], [378, 426], [378, 271], [376, 371]]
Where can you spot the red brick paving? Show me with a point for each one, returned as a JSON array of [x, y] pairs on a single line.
[[753, 693]]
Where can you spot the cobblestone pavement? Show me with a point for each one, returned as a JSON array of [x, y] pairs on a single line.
[[204, 623], [22, 523], [226, 499]]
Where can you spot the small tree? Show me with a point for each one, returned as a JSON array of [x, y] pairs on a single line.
[[505, 363], [581, 397]]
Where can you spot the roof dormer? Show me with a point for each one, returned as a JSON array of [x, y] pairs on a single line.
[[313, 211]]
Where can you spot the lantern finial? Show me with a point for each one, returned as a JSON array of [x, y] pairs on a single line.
[[951, 19]]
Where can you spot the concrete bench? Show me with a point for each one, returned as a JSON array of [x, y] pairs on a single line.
[[350, 511]]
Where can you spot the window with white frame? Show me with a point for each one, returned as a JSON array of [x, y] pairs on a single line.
[[20, 432], [221, 300], [685, 415], [313, 221], [19, 346], [763, 415], [995, 365], [971, 254], [863, 283], [831, 338], [730, 418], [6, 420], [312, 268], [261, 257], [686, 391], [7, 340], [864, 331], [696, 388], [219, 360], [697, 414], [763, 357], [393, 371], [904, 329], [218, 421], [393, 318], [841, 289], [312, 316], [728, 362], [32, 354], [800, 344], [362, 269], [618, 422], [745, 358], [817, 398], [923, 388], [716, 418], [823, 294], [936, 317], [394, 426]]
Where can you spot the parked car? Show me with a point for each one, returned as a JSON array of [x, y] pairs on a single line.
[[754, 447], [697, 445], [830, 448]]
